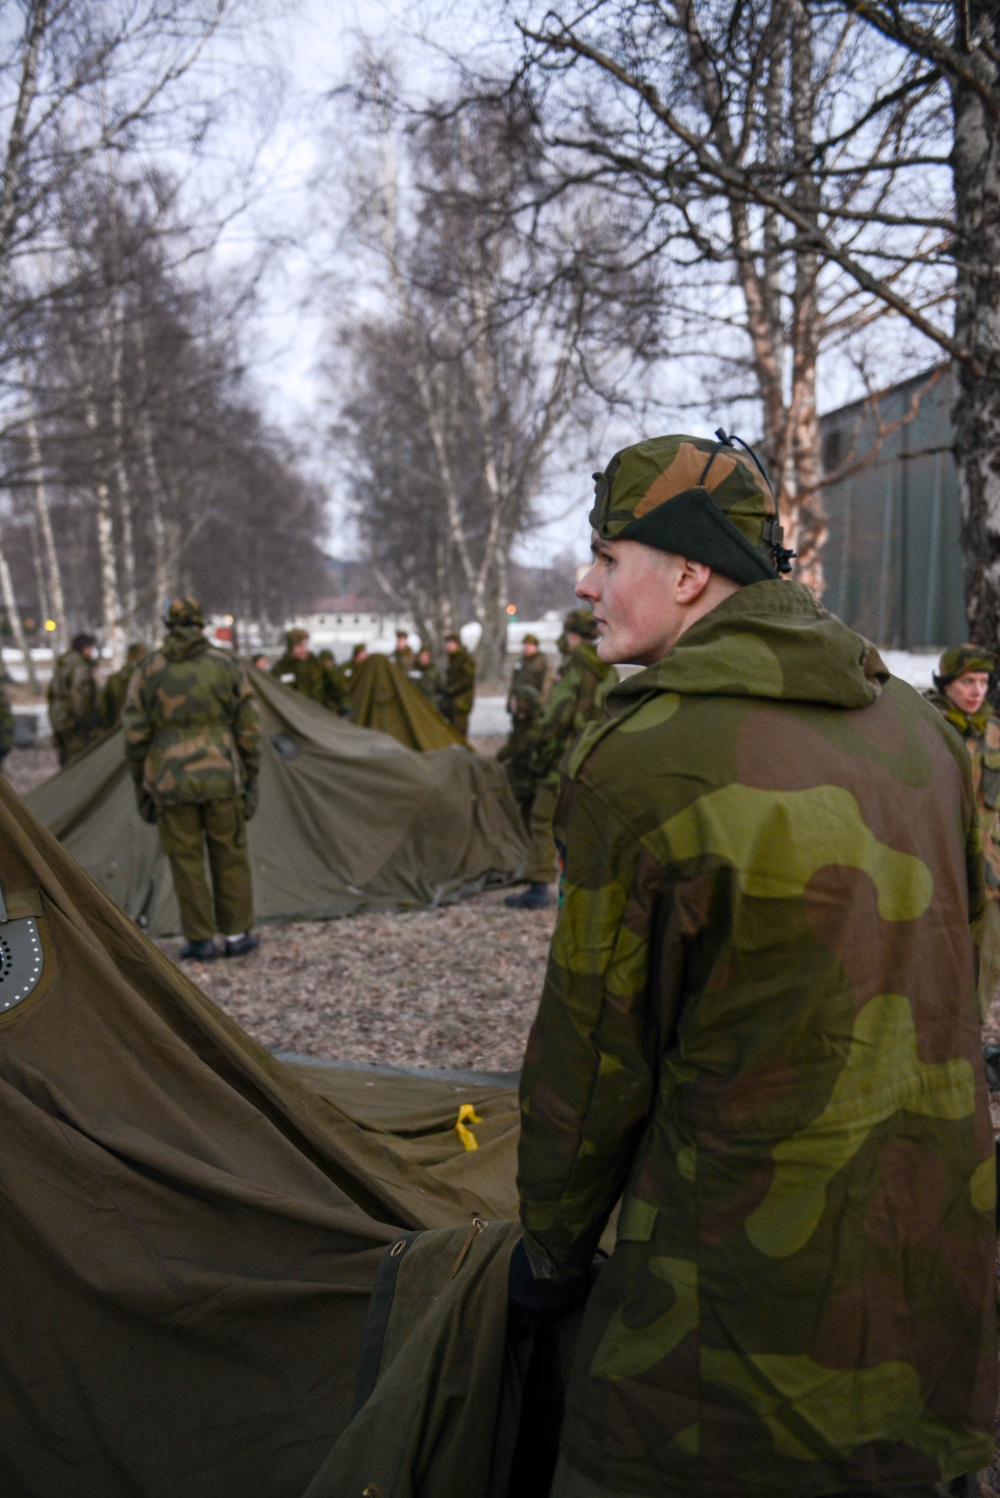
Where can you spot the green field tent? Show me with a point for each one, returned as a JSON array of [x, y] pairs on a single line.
[[348, 820], [382, 696], [221, 1278]]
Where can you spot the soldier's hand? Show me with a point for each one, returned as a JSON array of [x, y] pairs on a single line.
[[251, 796], [147, 806]]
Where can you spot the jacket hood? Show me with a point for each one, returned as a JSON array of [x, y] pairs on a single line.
[[771, 640], [184, 641]]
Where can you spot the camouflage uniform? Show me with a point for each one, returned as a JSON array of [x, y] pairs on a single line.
[[192, 743], [531, 671], [404, 658], [309, 675], [758, 1029], [358, 656], [116, 686], [981, 733], [75, 708], [517, 753], [459, 688], [428, 678], [577, 698]]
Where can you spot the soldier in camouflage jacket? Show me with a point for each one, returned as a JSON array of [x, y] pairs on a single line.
[[116, 686], [192, 740], [758, 1034], [576, 699], [459, 691], [304, 672], [961, 683], [75, 708]]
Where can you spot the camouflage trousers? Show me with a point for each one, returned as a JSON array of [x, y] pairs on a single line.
[[543, 865], [569, 1483], [186, 830], [989, 956]]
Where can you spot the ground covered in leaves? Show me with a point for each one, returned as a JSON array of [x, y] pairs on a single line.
[[455, 987]]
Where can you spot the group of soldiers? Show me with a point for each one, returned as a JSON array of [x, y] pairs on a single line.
[[319, 677]]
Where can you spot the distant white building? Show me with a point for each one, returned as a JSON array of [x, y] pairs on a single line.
[[340, 623]]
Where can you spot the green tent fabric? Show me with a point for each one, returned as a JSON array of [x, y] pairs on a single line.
[[348, 820], [191, 1233], [382, 696]]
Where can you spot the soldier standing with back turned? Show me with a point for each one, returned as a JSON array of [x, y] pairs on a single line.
[[75, 708], [192, 743], [961, 683]]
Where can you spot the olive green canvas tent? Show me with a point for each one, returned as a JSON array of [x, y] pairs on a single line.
[[382, 696], [223, 1279], [348, 820]]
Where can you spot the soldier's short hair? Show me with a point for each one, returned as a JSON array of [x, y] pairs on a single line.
[[295, 637], [82, 642]]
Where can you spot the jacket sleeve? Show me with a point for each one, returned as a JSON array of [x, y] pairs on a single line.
[[589, 1069]]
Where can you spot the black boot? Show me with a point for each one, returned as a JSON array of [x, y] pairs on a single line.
[[241, 945], [535, 897], [198, 951]]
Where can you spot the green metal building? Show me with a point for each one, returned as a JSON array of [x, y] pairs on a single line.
[[893, 557]]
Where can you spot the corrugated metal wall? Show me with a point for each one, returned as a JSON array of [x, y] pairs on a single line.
[[893, 559]]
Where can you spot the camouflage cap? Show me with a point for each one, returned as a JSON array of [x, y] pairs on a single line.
[[185, 610], [453, 636], [703, 499], [581, 622], [530, 640], [135, 651], [295, 637], [359, 649], [959, 659]]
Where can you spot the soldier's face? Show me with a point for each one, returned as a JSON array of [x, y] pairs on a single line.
[[300, 650], [643, 599], [530, 649], [968, 692]]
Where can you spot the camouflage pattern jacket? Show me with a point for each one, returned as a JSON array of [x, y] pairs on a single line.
[[191, 726], [313, 678], [115, 693], [759, 1029], [531, 671], [460, 682], [981, 733], [75, 709], [577, 698]]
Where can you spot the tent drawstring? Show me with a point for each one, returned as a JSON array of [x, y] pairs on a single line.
[[467, 1115]]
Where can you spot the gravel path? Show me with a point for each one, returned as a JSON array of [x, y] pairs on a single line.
[[456, 987]]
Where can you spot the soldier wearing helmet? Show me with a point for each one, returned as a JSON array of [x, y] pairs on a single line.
[[192, 742], [758, 1034], [960, 687], [576, 699]]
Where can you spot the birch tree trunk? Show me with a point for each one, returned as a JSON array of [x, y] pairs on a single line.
[[14, 617], [50, 557], [976, 173]]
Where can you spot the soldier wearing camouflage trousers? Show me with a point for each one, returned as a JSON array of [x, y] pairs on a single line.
[[758, 1035], [192, 742]]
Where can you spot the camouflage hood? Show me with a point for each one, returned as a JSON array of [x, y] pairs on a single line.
[[773, 640], [183, 641]]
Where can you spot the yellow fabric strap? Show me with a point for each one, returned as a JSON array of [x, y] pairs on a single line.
[[467, 1115]]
